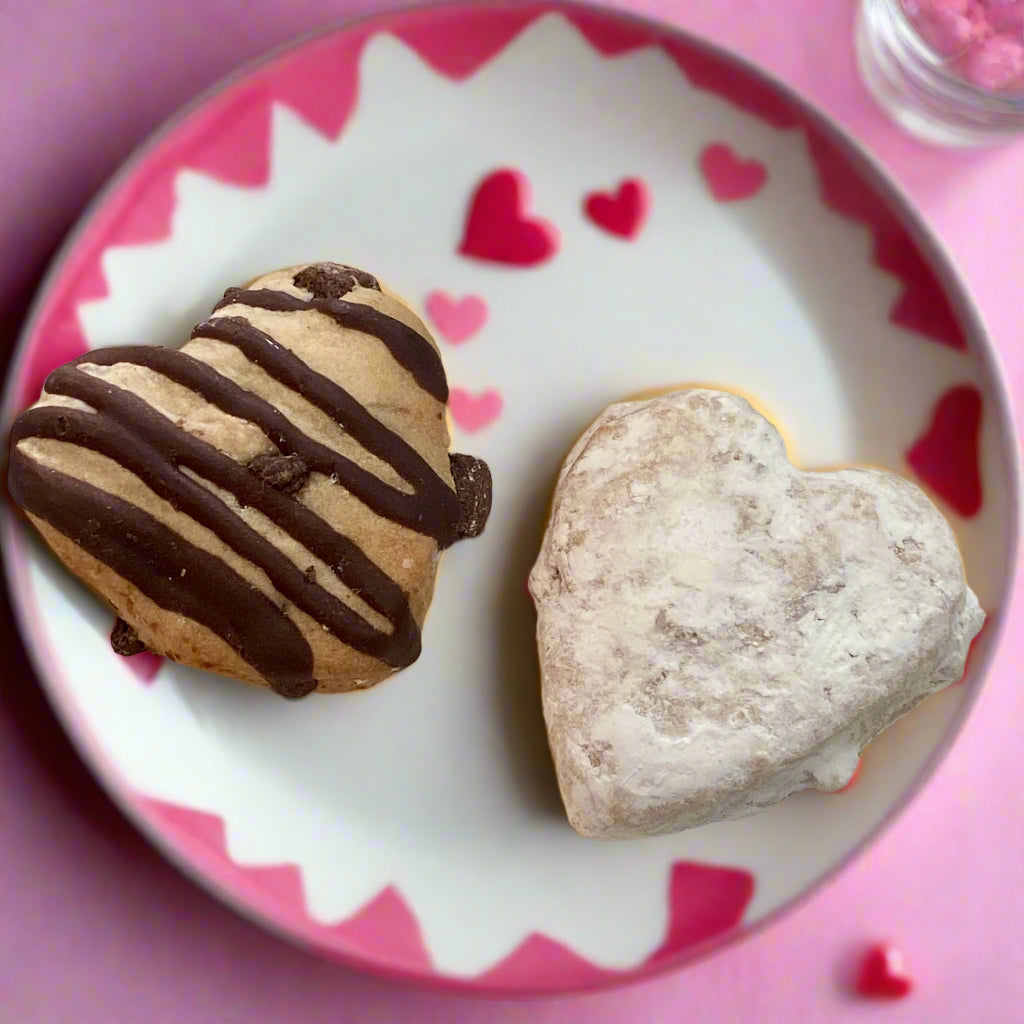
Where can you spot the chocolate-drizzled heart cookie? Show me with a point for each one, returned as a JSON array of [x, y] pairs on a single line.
[[269, 501]]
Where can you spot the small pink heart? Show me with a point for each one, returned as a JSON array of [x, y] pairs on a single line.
[[474, 412], [622, 212], [457, 319], [144, 666], [729, 177]]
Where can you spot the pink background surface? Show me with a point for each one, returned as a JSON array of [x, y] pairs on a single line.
[[95, 927]]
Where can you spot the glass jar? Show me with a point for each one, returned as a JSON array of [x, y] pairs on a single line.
[[928, 91]]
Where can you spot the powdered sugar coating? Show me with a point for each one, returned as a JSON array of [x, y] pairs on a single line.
[[717, 628]]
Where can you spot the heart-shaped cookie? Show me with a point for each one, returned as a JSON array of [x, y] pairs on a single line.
[[269, 501], [718, 628]]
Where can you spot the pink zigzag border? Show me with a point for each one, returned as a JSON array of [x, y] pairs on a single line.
[[228, 138], [705, 902]]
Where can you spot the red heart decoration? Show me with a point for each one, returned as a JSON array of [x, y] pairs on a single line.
[[498, 228], [945, 457], [620, 213], [883, 974], [729, 177]]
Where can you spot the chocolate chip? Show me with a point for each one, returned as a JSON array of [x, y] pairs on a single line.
[[125, 640], [473, 485], [286, 473], [310, 574], [333, 280], [62, 426]]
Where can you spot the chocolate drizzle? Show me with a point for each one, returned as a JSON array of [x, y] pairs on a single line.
[[128, 430], [408, 348], [433, 509], [182, 577], [210, 592]]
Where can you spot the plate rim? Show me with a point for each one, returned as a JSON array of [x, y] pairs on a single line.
[[911, 218]]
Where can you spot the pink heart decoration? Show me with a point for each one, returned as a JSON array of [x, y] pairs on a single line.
[[457, 319], [883, 974], [945, 457], [620, 213], [728, 177], [145, 666], [498, 228], [474, 412]]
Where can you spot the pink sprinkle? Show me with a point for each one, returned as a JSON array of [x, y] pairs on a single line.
[[948, 26], [995, 64], [1004, 15]]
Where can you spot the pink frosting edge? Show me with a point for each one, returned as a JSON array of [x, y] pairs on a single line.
[[229, 139]]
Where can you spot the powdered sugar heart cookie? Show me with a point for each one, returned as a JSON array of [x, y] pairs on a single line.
[[269, 501], [717, 628]]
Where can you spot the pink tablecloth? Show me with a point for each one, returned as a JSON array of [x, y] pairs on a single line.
[[94, 927]]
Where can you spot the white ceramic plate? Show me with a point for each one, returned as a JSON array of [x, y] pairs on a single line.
[[415, 829]]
